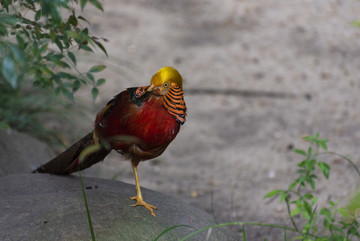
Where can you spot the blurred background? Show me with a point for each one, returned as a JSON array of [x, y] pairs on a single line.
[[258, 76]]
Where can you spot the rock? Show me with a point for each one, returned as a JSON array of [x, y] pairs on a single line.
[[50, 207], [21, 153]]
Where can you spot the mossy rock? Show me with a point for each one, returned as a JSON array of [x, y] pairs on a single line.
[[49, 207]]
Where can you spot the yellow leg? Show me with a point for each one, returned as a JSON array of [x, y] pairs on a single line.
[[139, 199]]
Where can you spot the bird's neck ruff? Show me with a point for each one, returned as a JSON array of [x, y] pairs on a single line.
[[174, 102]]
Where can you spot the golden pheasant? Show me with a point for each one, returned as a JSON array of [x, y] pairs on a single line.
[[139, 123]]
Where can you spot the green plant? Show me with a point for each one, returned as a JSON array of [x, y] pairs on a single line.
[[39, 41], [300, 193]]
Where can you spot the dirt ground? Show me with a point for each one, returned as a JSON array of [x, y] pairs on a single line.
[[259, 75]]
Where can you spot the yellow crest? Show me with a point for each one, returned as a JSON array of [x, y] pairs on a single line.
[[167, 74]]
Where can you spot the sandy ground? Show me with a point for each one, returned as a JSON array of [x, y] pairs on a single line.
[[293, 70]]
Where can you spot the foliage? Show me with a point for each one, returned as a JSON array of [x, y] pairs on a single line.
[[39, 40], [337, 223]]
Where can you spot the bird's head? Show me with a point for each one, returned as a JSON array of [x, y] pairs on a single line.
[[164, 79]]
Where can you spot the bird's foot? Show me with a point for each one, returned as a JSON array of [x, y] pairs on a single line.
[[141, 202]]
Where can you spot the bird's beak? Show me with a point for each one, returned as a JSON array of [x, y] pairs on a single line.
[[150, 88]]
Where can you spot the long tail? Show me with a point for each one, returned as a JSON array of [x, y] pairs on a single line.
[[68, 161]]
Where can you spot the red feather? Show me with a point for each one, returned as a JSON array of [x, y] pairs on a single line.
[[150, 123]]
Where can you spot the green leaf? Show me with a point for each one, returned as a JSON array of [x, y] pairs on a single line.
[[20, 41], [97, 68], [85, 47], [310, 164], [308, 208], [73, 20], [37, 15], [56, 14], [83, 81], [82, 4], [72, 34], [308, 196], [67, 93], [65, 75], [100, 82], [101, 47], [302, 179], [45, 70], [295, 211], [94, 92], [84, 33], [91, 77], [293, 184], [9, 72], [344, 212], [301, 171], [84, 19], [325, 168], [309, 152], [72, 57], [303, 163], [283, 196], [299, 151], [52, 35], [44, 48], [312, 183], [17, 53], [314, 200], [273, 193], [326, 212], [8, 19], [323, 144], [76, 85], [308, 138], [97, 4]]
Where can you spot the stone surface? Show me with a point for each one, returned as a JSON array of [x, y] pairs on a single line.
[[20, 153], [49, 207]]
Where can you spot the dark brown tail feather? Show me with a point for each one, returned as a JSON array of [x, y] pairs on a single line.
[[68, 161]]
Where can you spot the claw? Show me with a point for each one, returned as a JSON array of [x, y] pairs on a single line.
[[141, 202]]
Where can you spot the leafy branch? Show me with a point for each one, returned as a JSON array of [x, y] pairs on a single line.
[[42, 49], [39, 42]]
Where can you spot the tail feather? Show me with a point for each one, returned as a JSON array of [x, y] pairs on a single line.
[[68, 161]]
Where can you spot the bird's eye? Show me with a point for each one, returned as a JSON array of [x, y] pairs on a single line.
[[166, 84]]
